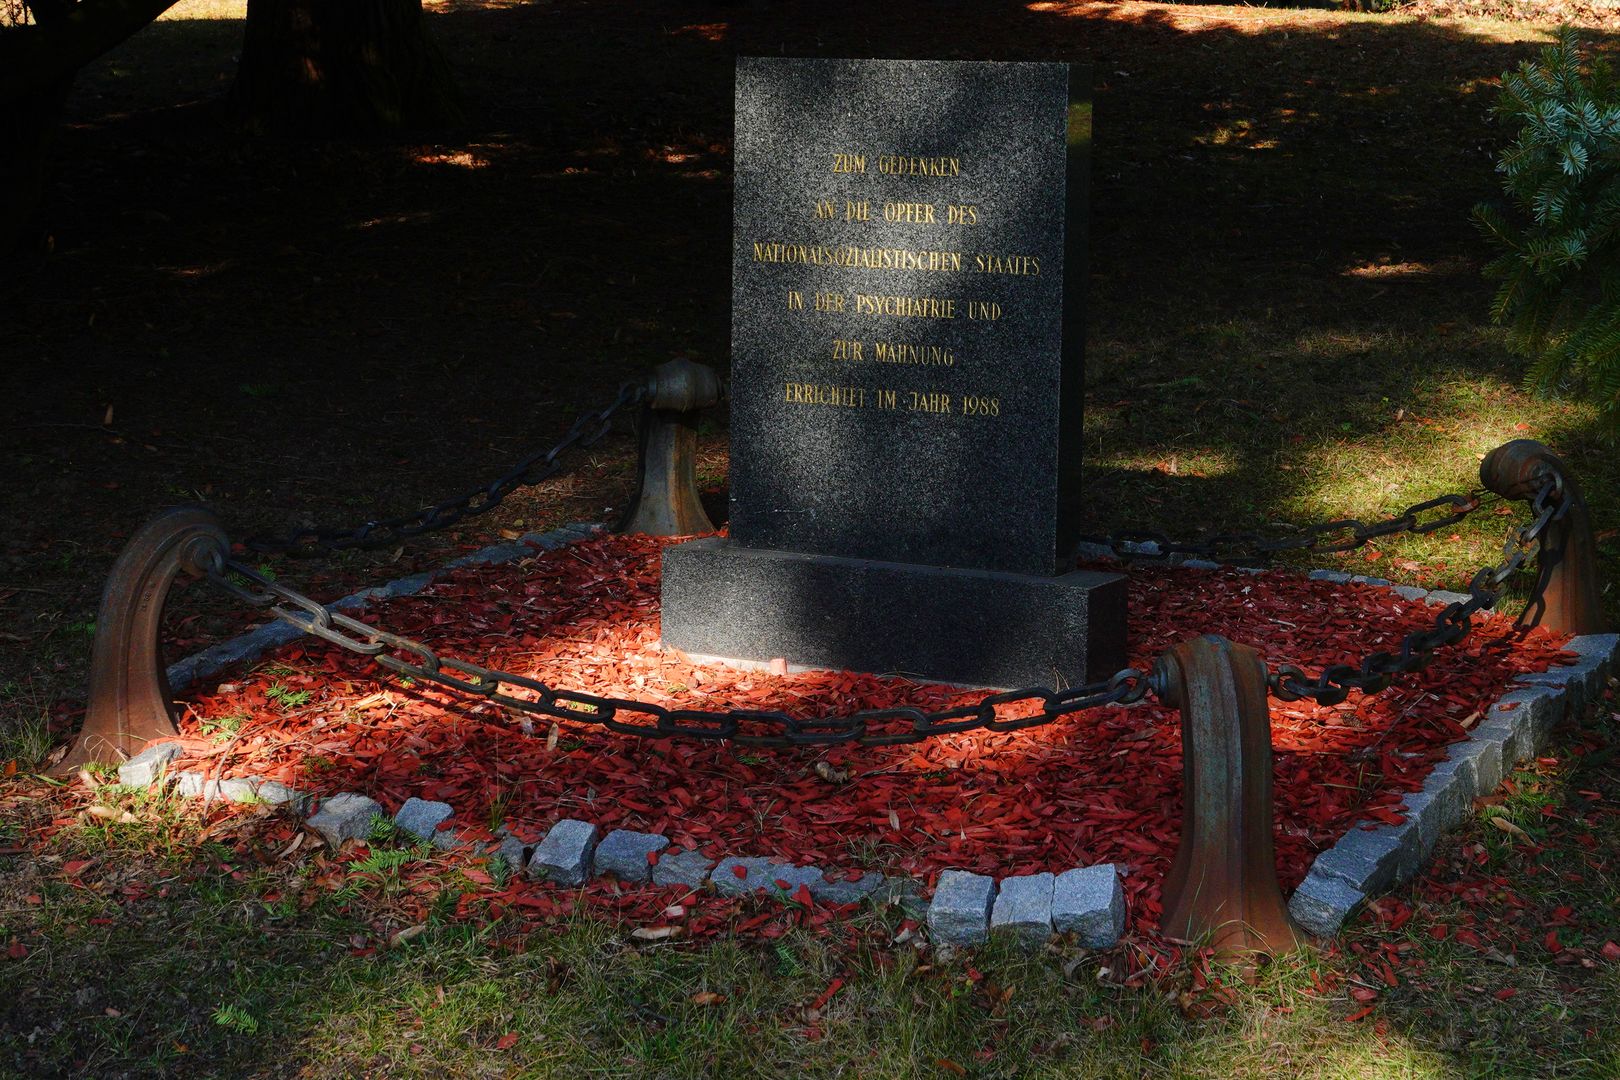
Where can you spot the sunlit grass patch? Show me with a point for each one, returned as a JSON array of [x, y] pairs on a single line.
[[208, 10]]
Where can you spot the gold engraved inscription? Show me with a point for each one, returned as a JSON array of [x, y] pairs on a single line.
[[853, 256], [906, 307], [978, 405], [908, 165], [847, 397], [904, 352], [1011, 265], [913, 213], [930, 401]]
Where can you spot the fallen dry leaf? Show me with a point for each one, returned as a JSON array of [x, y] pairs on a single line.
[[402, 936], [1508, 827]]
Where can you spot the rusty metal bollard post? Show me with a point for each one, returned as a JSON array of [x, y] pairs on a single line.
[[129, 692], [666, 500], [1567, 596], [1222, 885]]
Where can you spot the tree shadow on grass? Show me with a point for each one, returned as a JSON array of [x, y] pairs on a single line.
[[1255, 184]]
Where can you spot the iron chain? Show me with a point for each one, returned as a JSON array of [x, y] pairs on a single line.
[[1451, 625], [877, 727], [745, 727], [538, 466], [1325, 538]]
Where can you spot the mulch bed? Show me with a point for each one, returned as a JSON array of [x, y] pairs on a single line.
[[1098, 786]]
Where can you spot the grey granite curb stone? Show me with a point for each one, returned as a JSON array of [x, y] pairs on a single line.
[[1375, 582], [345, 816], [249, 646], [1409, 592], [623, 854], [960, 912], [515, 853], [1484, 754], [1023, 909], [1516, 738], [148, 767], [275, 793], [1443, 598], [1530, 714], [1418, 834], [196, 785], [243, 789], [760, 874], [844, 891], [1585, 678], [1601, 647], [564, 856], [1337, 577], [1452, 785], [1321, 904], [422, 818], [1572, 681], [1089, 902], [903, 893], [1512, 731], [1364, 859], [688, 868]]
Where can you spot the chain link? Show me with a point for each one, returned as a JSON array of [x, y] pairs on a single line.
[[883, 727], [1325, 538], [1451, 625], [541, 465], [745, 727]]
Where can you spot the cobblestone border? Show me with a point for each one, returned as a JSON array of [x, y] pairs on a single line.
[[966, 908], [1513, 730]]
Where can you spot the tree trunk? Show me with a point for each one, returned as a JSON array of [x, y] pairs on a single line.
[[28, 124], [327, 67], [37, 67]]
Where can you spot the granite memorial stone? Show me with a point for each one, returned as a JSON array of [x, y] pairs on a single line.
[[907, 286]]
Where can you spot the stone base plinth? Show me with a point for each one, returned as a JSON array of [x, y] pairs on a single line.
[[974, 627]]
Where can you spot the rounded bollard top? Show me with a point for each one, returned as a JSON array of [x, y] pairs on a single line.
[[1515, 469], [683, 385]]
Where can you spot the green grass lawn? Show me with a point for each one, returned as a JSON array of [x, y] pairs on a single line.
[[183, 946], [1286, 323]]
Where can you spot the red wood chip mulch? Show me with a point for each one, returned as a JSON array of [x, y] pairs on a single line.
[[1098, 786]]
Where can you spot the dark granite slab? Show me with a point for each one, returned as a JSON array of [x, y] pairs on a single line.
[[966, 626], [906, 380], [906, 326]]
